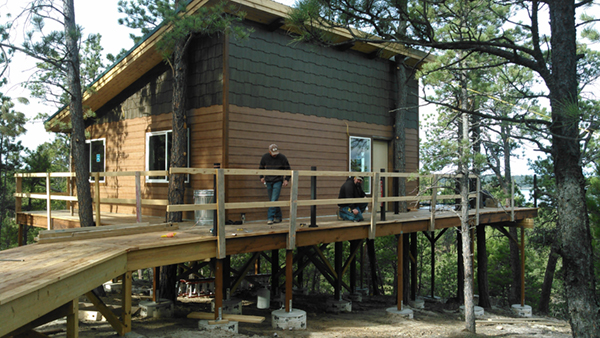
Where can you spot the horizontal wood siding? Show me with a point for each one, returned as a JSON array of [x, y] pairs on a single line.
[[305, 140], [126, 151]]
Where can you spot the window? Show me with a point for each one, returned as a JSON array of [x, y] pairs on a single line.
[[96, 151], [360, 158], [158, 154]]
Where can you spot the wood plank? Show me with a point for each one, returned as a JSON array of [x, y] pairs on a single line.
[[227, 316]]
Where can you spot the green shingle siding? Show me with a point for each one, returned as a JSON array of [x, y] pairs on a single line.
[[268, 71]]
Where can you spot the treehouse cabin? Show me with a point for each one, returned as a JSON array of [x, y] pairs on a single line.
[[329, 108]]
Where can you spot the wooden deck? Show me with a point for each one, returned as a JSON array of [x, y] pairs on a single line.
[[37, 279]]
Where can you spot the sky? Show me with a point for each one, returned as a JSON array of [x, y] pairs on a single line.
[[102, 19]]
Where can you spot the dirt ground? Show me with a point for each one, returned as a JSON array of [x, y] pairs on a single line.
[[367, 319]]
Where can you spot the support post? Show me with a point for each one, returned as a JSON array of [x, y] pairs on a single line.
[[522, 266], [289, 274], [413, 265], [478, 200], [97, 194], [155, 277], [73, 319], [138, 198], [126, 302], [400, 269], [219, 289], [313, 196], [274, 272], [338, 270]]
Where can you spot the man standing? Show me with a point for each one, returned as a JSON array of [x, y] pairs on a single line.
[[352, 188], [274, 160]]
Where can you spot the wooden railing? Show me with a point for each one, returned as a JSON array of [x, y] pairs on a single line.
[[220, 206], [96, 199], [294, 203]]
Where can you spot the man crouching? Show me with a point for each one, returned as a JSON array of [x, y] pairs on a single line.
[[352, 188]]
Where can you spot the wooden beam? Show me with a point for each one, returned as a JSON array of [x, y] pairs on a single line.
[[275, 24], [289, 272], [227, 316], [102, 232], [59, 312], [111, 318]]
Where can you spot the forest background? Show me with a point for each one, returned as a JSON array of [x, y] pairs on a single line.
[[53, 156]]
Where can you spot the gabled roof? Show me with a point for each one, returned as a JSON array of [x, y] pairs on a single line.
[[144, 56]]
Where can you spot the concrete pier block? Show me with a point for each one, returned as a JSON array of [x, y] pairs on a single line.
[[418, 303], [479, 312], [341, 305], [163, 308], [355, 297], [404, 313], [231, 306], [224, 325], [110, 287], [521, 311], [293, 320]]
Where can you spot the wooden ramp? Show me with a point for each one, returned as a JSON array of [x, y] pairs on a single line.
[[37, 279]]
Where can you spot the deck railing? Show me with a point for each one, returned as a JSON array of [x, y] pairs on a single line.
[[220, 206]]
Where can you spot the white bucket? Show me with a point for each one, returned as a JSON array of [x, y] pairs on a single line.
[[204, 217], [264, 298]]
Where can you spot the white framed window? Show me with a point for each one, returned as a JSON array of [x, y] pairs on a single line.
[[96, 154], [360, 158], [158, 154]]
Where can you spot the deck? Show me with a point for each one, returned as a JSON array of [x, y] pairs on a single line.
[[40, 279]]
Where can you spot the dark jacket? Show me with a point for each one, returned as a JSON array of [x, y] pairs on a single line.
[[351, 190], [279, 162]]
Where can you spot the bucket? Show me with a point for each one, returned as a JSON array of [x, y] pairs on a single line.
[[204, 217], [264, 298]]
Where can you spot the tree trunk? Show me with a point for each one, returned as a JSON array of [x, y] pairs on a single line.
[[544, 305], [179, 134], [400, 129], [574, 229], [84, 196], [482, 269]]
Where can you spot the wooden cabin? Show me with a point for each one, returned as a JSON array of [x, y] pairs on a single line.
[[324, 107]]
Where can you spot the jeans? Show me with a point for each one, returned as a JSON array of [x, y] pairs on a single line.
[[347, 214], [273, 190]]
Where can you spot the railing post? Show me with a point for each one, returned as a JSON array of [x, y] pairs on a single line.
[[383, 193], [18, 205], [215, 212], [313, 196], [97, 193], [291, 240], [221, 251], [396, 193], [138, 198], [512, 199], [70, 189], [48, 202], [477, 199], [434, 182], [375, 199]]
